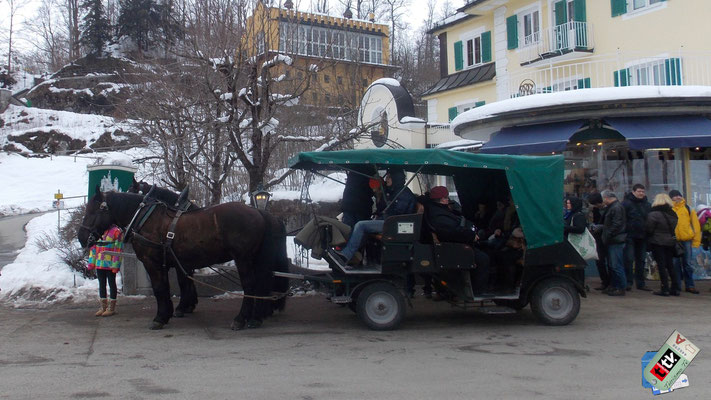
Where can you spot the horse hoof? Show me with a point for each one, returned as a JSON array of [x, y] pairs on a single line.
[[155, 325], [178, 314], [238, 325], [254, 324]]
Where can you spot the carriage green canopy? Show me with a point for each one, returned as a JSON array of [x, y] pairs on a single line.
[[534, 182]]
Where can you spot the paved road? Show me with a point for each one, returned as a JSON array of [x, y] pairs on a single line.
[[317, 350], [12, 236]]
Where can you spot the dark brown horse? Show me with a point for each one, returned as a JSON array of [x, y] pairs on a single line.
[[188, 292], [254, 239]]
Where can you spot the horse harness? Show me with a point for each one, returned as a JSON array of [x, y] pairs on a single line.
[[167, 245]]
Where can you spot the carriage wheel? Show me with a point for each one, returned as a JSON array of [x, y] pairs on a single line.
[[555, 302], [381, 306]]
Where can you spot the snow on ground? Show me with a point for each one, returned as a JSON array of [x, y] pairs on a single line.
[[29, 184], [39, 277], [321, 189], [88, 127]]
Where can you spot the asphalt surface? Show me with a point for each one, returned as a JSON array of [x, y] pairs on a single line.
[[318, 350], [12, 236]]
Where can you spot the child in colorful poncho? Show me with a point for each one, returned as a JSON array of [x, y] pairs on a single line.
[[107, 265]]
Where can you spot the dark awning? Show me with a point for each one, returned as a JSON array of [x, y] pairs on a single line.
[[672, 131], [532, 139]]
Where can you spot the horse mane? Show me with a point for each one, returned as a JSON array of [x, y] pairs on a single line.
[[123, 203]]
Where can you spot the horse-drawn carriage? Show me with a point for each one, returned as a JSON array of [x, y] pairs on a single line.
[[549, 276], [551, 273]]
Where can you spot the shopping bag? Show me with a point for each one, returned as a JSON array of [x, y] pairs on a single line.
[[584, 243]]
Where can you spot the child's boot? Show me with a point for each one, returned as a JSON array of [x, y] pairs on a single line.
[[111, 310], [104, 304]]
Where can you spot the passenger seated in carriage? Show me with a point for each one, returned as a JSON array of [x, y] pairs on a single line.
[[397, 199], [449, 225]]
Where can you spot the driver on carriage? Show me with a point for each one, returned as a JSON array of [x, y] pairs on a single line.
[[444, 218], [397, 199]]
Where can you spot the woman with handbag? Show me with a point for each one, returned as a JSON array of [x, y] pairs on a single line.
[[661, 223]]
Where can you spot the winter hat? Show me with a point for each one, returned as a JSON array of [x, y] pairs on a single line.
[[439, 192], [675, 193]]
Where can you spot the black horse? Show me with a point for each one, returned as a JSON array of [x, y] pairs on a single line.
[[254, 239], [188, 292]]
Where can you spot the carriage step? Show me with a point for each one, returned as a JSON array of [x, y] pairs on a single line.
[[289, 275], [496, 310], [341, 299]]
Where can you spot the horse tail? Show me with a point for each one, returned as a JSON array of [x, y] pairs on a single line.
[[273, 253]]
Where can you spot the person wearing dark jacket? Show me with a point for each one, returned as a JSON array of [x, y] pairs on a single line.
[[659, 228], [614, 236], [357, 201], [397, 200], [596, 204], [575, 221], [635, 253], [451, 226]]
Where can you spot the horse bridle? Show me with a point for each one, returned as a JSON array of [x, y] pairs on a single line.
[[94, 234]]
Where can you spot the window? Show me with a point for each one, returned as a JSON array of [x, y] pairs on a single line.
[[327, 78], [659, 72], [639, 4], [468, 106], [339, 80], [329, 42], [531, 28], [365, 82], [260, 43], [650, 73], [474, 51]]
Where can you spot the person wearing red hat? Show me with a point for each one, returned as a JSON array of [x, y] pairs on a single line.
[[450, 226]]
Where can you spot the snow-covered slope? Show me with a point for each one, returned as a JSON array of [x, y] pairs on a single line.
[[31, 129]]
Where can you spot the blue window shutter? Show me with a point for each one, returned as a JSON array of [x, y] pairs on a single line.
[[672, 70], [452, 113], [486, 46], [458, 56], [619, 7], [479, 103], [512, 31]]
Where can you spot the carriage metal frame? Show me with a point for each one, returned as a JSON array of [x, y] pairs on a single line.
[[552, 276]]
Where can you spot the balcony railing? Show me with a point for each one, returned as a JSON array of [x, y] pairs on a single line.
[[552, 42], [628, 69]]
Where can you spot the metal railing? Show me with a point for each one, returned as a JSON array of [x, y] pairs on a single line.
[[677, 68], [556, 41], [439, 133]]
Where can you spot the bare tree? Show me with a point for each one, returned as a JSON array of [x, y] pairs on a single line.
[[49, 39], [395, 9], [72, 21], [14, 6]]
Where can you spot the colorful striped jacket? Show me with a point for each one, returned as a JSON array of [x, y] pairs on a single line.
[[111, 240]]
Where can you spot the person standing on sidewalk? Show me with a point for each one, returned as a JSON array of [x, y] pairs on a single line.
[[688, 232], [636, 211], [106, 266], [661, 223], [596, 215], [613, 237]]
